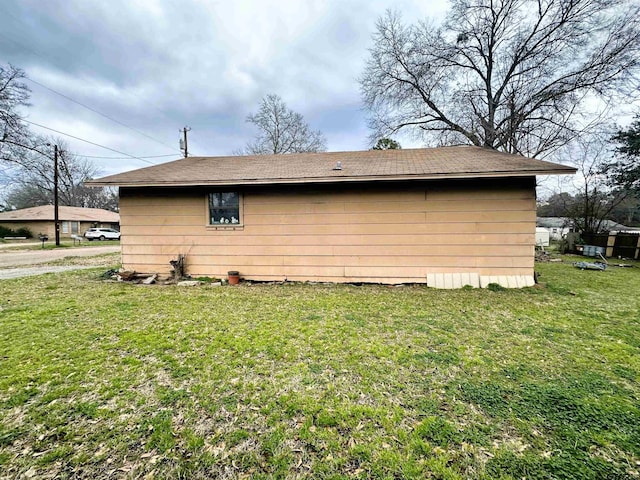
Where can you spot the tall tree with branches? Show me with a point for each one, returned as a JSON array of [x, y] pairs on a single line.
[[18, 144], [511, 75], [595, 199], [282, 130], [33, 184], [626, 171], [14, 95], [26, 169]]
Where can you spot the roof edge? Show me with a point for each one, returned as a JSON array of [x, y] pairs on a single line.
[[358, 179]]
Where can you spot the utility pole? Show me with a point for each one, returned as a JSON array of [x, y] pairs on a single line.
[[55, 194], [183, 142]]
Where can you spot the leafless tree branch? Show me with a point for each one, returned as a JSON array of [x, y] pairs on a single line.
[[512, 75], [281, 130]]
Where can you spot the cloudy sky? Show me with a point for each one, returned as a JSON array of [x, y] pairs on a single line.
[[157, 66]]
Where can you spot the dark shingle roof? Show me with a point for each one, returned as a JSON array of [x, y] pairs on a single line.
[[369, 165]]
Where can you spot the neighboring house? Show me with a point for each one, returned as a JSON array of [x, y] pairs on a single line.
[[73, 220], [446, 216], [611, 226], [558, 227]]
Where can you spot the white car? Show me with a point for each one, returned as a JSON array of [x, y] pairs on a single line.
[[102, 234]]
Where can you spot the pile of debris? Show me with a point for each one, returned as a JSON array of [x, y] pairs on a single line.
[[590, 266], [543, 256], [131, 276]]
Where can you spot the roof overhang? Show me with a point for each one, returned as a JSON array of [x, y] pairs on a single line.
[[333, 179]]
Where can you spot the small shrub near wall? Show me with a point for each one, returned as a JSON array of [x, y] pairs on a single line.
[[20, 232], [24, 232]]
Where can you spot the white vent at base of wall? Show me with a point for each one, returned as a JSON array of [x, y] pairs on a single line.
[[459, 280], [453, 280]]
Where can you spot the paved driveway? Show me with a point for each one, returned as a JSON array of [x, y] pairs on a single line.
[[16, 258], [7, 273], [15, 245]]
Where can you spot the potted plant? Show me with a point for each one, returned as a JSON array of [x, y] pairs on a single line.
[[234, 277]]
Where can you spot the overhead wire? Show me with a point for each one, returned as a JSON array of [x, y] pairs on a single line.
[[100, 113], [49, 57], [119, 158], [88, 141], [20, 44], [25, 47]]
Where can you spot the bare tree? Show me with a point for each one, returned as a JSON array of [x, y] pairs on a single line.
[[512, 75], [595, 198], [17, 143], [33, 184], [282, 130], [14, 94], [26, 166]]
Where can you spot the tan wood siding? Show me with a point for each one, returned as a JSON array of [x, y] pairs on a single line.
[[471, 227], [392, 234]]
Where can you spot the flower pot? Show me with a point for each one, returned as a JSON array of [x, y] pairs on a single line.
[[234, 277]]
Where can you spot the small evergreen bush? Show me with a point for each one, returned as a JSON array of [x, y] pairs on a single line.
[[24, 232], [20, 232]]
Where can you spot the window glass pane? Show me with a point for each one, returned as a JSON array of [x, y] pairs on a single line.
[[224, 207], [74, 227], [65, 227]]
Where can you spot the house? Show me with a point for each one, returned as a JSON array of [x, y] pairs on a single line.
[[559, 227], [446, 216], [73, 220]]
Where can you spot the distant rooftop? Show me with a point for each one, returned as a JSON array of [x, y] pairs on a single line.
[[565, 222], [337, 167], [45, 212]]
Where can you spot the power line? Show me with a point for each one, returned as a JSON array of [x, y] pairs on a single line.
[[49, 57], [120, 158], [100, 113], [29, 49], [20, 44], [88, 141]]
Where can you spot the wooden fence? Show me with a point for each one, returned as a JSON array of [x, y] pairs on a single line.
[[625, 245]]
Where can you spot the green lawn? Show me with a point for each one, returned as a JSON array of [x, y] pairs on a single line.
[[321, 381]]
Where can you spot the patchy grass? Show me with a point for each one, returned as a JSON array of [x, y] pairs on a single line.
[[272, 381], [105, 259]]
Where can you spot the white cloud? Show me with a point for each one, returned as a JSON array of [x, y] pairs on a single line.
[[158, 65]]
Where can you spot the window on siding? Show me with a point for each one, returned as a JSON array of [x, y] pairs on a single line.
[[224, 208], [73, 226]]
